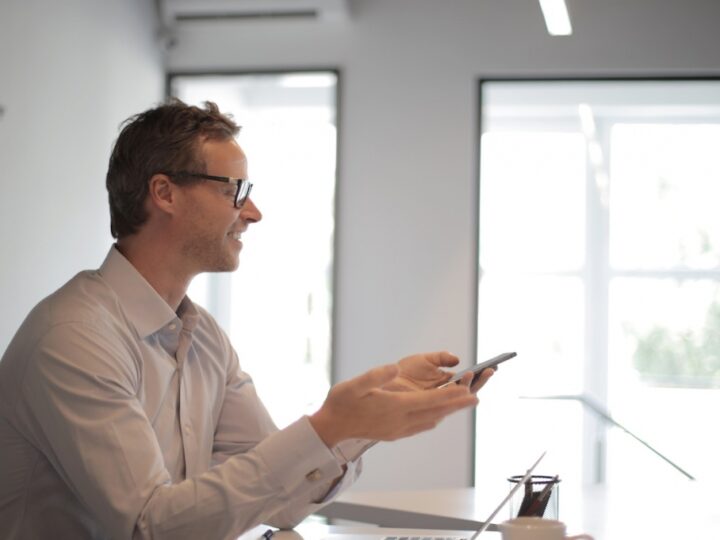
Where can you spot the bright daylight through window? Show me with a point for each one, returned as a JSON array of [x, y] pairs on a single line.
[[599, 256], [277, 307]]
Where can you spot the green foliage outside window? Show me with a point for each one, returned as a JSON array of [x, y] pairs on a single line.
[[688, 359]]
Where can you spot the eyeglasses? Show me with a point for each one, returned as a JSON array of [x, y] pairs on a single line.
[[243, 186]]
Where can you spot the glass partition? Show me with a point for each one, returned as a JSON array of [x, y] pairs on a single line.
[[599, 262]]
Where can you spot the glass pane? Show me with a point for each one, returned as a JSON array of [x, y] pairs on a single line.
[[665, 187], [199, 291], [511, 433], [664, 376], [277, 307], [614, 182], [532, 201], [664, 332], [541, 318], [281, 304]]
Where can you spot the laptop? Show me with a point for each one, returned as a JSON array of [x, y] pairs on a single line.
[[412, 535]]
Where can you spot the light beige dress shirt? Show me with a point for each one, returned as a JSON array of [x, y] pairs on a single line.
[[120, 418]]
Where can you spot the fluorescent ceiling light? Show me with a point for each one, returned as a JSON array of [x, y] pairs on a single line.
[[556, 16]]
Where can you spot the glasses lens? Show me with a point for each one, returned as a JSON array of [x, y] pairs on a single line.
[[243, 193]]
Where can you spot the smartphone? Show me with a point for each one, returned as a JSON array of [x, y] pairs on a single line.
[[477, 368]]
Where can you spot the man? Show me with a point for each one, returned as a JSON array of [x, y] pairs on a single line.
[[123, 409]]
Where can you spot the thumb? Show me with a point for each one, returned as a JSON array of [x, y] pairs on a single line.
[[445, 359], [376, 377]]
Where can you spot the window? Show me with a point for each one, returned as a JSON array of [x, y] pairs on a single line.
[[599, 257], [277, 307]]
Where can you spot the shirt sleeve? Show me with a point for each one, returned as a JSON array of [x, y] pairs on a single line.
[[79, 401], [244, 422]]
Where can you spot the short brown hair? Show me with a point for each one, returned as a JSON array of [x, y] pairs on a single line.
[[166, 138]]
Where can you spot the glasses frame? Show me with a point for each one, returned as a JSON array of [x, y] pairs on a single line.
[[244, 186]]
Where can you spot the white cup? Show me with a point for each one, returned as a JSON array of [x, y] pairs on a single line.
[[534, 528]]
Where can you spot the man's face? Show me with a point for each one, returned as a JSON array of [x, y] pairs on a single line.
[[211, 224]]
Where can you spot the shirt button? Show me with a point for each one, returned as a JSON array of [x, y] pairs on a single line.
[[314, 475], [172, 326]]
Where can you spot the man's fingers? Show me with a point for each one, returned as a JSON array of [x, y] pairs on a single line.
[[434, 398], [361, 407], [482, 379], [417, 421], [435, 415], [374, 378], [443, 359]]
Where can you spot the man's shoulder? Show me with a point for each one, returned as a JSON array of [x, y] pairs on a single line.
[[85, 299], [82, 309]]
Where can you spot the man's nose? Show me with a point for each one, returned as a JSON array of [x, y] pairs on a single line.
[[249, 212]]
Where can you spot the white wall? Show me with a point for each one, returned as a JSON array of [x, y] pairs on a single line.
[[405, 264], [70, 72]]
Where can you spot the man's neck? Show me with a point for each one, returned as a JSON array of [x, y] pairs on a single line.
[[159, 267]]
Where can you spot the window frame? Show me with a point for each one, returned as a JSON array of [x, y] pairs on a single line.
[[597, 272], [218, 284]]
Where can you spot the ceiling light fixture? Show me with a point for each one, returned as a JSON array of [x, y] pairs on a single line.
[[556, 16]]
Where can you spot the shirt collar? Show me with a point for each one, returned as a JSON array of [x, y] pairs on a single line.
[[188, 314], [146, 310]]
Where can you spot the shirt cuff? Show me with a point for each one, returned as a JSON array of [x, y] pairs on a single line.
[[297, 458], [352, 472], [349, 450]]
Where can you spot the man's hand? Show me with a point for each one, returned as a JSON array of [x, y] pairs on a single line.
[[423, 371], [364, 408]]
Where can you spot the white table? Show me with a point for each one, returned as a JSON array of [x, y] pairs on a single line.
[[317, 531], [683, 510]]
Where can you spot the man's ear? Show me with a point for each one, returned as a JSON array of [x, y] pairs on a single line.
[[162, 193]]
